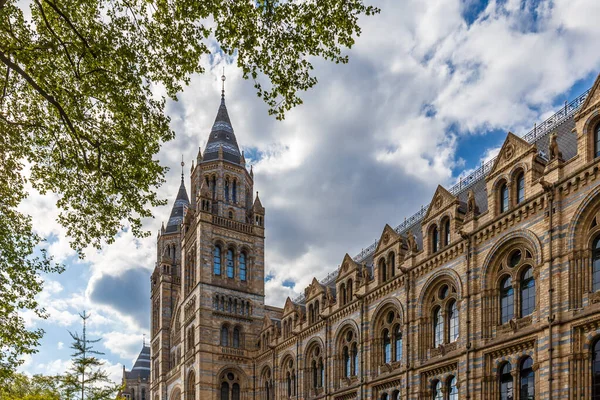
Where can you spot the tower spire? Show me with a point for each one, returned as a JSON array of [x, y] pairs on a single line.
[[182, 165], [223, 86]]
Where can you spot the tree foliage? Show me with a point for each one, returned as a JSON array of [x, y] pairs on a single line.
[[78, 108], [37, 387], [86, 380]]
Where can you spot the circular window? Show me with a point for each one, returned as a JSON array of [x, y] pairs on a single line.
[[230, 376], [390, 317], [349, 336], [443, 292], [515, 258]]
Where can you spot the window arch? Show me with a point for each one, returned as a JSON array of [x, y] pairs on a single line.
[[289, 377], [242, 261], [234, 192], [230, 386], [225, 335], [343, 294], [349, 291], [446, 233], [396, 395], [527, 292], [507, 299], [527, 379], [217, 260], [191, 386], [384, 396], [436, 389], [442, 325], [438, 327], [236, 337], [520, 187], [229, 263], [316, 368], [382, 270], [392, 262], [434, 239], [347, 347], [503, 199], [389, 336], [226, 189], [451, 389], [596, 263], [505, 381], [265, 384]]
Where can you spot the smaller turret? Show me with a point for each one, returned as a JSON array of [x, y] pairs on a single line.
[[259, 211]]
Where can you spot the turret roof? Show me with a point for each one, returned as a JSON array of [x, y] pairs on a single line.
[[181, 202], [141, 368], [222, 135]]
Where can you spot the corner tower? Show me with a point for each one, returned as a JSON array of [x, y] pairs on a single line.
[[218, 280]]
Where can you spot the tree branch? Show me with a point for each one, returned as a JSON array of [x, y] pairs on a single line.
[[68, 21]]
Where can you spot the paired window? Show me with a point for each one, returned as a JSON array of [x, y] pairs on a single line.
[[231, 338], [446, 225], [242, 262], [451, 392], [316, 367], [313, 312], [391, 338], [525, 304], [230, 387], [230, 263], [289, 374], [217, 260], [349, 351], [526, 377], [444, 316]]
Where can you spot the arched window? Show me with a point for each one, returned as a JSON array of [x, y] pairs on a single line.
[[227, 190], [315, 374], [234, 193], [397, 344], [311, 314], [596, 371], [396, 395], [235, 392], [217, 260], [447, 232], [354, 359], [392, 264], [434, 239], [343, 293], [321, 372], [507, 300], [520, 187], [230, 263], [527, 378], [214, 187], [314, 359], [236, 337], [451, 388], [224, 391], [288, 384], [596, 264], [597, 141], [347, 363], [191, 386], [506, 382], [527, 292], [268, 391], [384, 396], [349, 290], [503, 198], [438, 327], [382, 270], [453, 320], [436, 390], [387, 347], [224, 336], [242, 266]]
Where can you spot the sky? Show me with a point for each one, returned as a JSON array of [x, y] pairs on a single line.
[[431, 89]]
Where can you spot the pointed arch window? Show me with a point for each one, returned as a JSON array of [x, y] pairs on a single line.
[[507, 300], [224, 336], [230, 263], [596, 371], [397, 343], [438, 327], [451, 388], [597, 141], [527, 292], [434, 239], [436, 390], [596, 264], [520, 187], [453, 320], [217, 260], [527, 380], [503, 197], [506, 382], [242, 266]]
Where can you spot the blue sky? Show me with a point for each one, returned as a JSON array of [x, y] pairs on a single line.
[[430, 92]]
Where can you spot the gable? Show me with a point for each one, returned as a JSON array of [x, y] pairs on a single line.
[[388, 236], [440, 201], [348, 265], [313, 289], [289, 307], [593, 97], [513, 148]]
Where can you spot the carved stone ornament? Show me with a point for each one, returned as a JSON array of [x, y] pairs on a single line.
[[386, 237], [438, 202], [509, 152], [553, 149]]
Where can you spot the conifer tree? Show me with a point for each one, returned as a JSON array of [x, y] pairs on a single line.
[[87, 380]]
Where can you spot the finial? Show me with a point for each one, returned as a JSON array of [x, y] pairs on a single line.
[[182, 165], [223, 84], [144, 340]]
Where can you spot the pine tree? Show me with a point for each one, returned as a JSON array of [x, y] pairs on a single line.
[[86, 379]]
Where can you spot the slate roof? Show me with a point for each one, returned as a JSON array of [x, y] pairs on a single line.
[[141, 368], [181, 202], [222, 135]]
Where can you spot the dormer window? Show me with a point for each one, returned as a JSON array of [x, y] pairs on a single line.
[[503, 198]]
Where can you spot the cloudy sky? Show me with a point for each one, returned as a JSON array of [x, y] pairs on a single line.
[[431, 89]]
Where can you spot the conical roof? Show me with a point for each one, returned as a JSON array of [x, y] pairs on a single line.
[[181, 202], [141, 368], [222, 135]]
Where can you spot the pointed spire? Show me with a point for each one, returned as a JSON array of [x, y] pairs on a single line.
[[223, 87], [258, 207], [251, 172], [242, 158], [182, 165], [181, 202]]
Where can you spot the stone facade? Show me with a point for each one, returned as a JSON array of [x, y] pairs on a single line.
[[491, 293]]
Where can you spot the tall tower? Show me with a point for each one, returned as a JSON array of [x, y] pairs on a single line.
[[213, 295]]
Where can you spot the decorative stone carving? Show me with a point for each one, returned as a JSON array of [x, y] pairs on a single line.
[[553, 150]]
